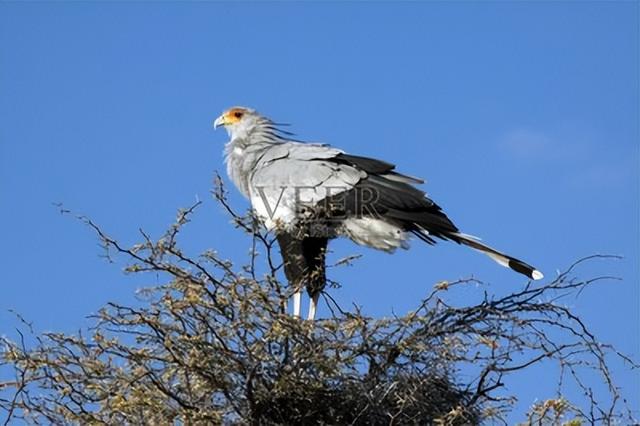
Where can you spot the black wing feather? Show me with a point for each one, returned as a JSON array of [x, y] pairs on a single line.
[[390, 199], [374, 166]]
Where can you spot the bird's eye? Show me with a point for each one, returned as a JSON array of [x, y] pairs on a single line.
[[237, 114]]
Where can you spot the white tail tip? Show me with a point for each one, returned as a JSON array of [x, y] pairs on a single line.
[[537, 275]]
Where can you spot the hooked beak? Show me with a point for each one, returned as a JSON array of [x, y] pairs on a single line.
[[220, 121]]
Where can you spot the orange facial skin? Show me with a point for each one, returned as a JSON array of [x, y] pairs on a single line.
[[233, 115]]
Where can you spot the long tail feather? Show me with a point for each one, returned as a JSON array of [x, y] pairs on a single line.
[[500, 258]]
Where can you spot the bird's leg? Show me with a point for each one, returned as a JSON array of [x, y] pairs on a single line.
[[297, 298], [294, 267], [304, 265], [313, 303]]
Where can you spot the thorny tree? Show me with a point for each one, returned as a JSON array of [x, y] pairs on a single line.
[[215, 345]]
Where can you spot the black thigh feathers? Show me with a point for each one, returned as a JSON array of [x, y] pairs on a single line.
[[304, 261]]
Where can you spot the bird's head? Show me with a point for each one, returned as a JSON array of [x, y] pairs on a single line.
[[238, 121]]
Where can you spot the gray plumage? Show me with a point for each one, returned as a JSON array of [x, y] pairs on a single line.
[[310, 193]]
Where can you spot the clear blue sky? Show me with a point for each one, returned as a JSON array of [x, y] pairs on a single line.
[[523, 118]]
